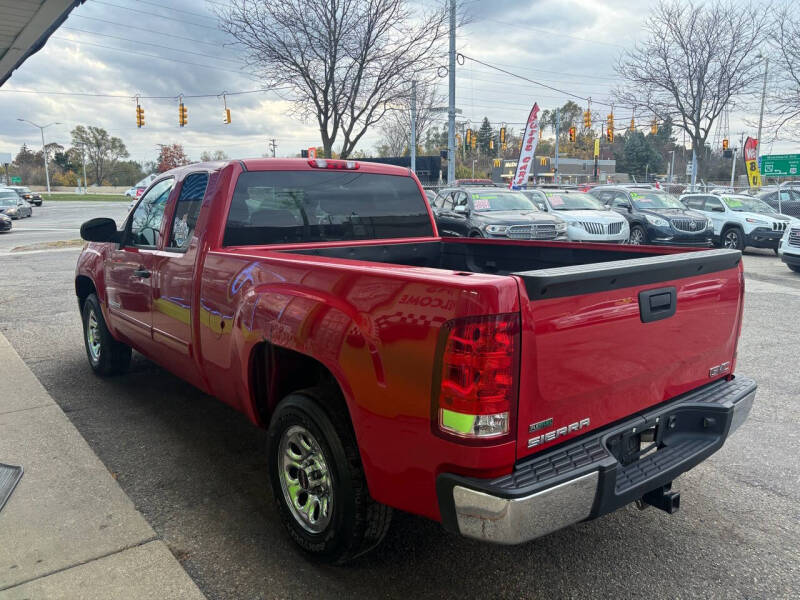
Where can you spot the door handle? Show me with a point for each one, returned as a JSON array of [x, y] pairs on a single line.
[[142, 272], [658, 304]]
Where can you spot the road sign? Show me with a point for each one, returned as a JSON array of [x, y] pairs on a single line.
[[780, 165], [16, 180]]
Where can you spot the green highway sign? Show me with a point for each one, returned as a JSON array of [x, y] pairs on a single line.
[[16, 180], [780, 165]]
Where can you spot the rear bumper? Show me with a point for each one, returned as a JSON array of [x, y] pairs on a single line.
[[583, 479]]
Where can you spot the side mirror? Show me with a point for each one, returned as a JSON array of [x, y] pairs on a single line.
[[717, 209], [542, 206], [100, 230], [461, 209]]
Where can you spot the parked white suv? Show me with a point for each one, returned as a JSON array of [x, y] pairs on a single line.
[[741, 221], [789, 250], [588, 220]]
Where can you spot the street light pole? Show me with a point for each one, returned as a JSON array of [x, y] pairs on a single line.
[[671, 165], [451, 109], [761, 114], [44, 148]]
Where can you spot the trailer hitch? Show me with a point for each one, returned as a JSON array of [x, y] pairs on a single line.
[[662, 497]]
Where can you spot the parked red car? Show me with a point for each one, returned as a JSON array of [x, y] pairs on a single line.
[[504, 388]]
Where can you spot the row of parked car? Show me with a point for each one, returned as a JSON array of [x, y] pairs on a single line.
[[16, 202], [632, 214]]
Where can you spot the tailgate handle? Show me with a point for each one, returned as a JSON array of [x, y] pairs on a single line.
[[658, 304]]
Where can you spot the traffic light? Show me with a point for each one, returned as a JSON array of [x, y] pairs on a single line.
[[654, 127], [473, 141], [303, 153], [587, 119], [227, 116], [571, 134], [610, 127], [633, 125], [491, 144], [503, 136], [139, 116], [469, 137], [725, 144], [182, 115]]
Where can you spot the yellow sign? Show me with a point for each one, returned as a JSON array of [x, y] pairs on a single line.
[[751, 162], [597, 146]]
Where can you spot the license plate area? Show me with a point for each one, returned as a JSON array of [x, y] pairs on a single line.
[[636, 443]]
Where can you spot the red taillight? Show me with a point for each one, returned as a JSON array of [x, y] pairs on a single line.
[[475, 383], [324, 163]]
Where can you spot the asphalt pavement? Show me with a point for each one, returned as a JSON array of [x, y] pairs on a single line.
[[196, 470]]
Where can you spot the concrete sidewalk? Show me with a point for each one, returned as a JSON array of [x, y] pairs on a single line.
[[68, 530]]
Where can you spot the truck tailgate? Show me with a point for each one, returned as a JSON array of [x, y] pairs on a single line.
[[601, 342]]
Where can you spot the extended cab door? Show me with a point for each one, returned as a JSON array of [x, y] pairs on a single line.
[[129, 268], [173, 279], [714, 210]]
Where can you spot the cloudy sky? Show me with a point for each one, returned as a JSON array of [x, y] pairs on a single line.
[[153, 48]]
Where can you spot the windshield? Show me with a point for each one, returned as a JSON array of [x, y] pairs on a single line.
[[501, 200], [574, 201], [747, 204], [8, 199], [648, 200]]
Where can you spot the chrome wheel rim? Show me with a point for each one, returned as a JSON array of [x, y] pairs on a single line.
[[93, 336], [732, 240], [637, 237], [305, 480]]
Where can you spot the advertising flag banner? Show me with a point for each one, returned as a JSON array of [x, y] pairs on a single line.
[[750, 156], [529, 140]]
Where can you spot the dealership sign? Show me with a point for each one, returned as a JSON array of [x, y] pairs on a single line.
[[780, 165], [750, 156], [529, 140]]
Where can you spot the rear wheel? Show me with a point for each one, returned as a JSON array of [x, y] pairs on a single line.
[[106, 355], [318, 480], [637, 236], [733, 238]]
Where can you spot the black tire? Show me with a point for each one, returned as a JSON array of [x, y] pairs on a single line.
[[795, 268], [733, 238], [637, 236], [476, 234], [106, 355], [355, 523], [775, 250]]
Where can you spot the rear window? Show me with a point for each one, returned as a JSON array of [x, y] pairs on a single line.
[[278, 207]]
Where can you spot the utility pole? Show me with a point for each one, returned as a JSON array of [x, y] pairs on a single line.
[[558, 129], [413, 126], [671, 165], [44, 147], [761, 114], [451, 109], [83, 160], [733, 167], [273, 145]]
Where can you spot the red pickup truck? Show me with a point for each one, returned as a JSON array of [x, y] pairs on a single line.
[[504, 388]]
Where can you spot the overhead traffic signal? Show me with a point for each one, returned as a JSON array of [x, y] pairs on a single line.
[[469, 137], [654, 127], [725, 144], [587, 119], [226, 118], [491, 144], [139, 116], [572, 134], [502, 136], [610, 127], [182, 115], [633, 125]]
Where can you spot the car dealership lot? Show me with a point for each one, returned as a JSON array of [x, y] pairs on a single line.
[[196, 471]]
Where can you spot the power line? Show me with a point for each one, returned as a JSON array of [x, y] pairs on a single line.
[[153, 31], [553, 33], [115, 37], [141, 12], [187, 12], [131, 96]]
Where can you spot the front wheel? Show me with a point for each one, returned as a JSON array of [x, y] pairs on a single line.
[[795, 268], [637, 237], [318, 480], [732, 238], [106, 355]]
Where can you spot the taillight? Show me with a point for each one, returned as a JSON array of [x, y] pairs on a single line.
[[324, 163], [475, 379]]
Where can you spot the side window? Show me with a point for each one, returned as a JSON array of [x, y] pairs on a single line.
[[145, 228], [603, 196], [460, 199], [187, 209], [694, 202], [620, 200], [438, 201], [714, 204], [448, 201], [785, 196]]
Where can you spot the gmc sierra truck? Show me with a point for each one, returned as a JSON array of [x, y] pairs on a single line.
[[505, 388]]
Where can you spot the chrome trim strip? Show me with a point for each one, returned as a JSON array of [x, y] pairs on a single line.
[[514, 521]]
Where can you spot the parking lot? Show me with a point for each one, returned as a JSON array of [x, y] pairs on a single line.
[[196, 469]]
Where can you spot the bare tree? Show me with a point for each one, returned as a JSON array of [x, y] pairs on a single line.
[[396, 126], [697, 60], [346, 62], [784, 98]]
